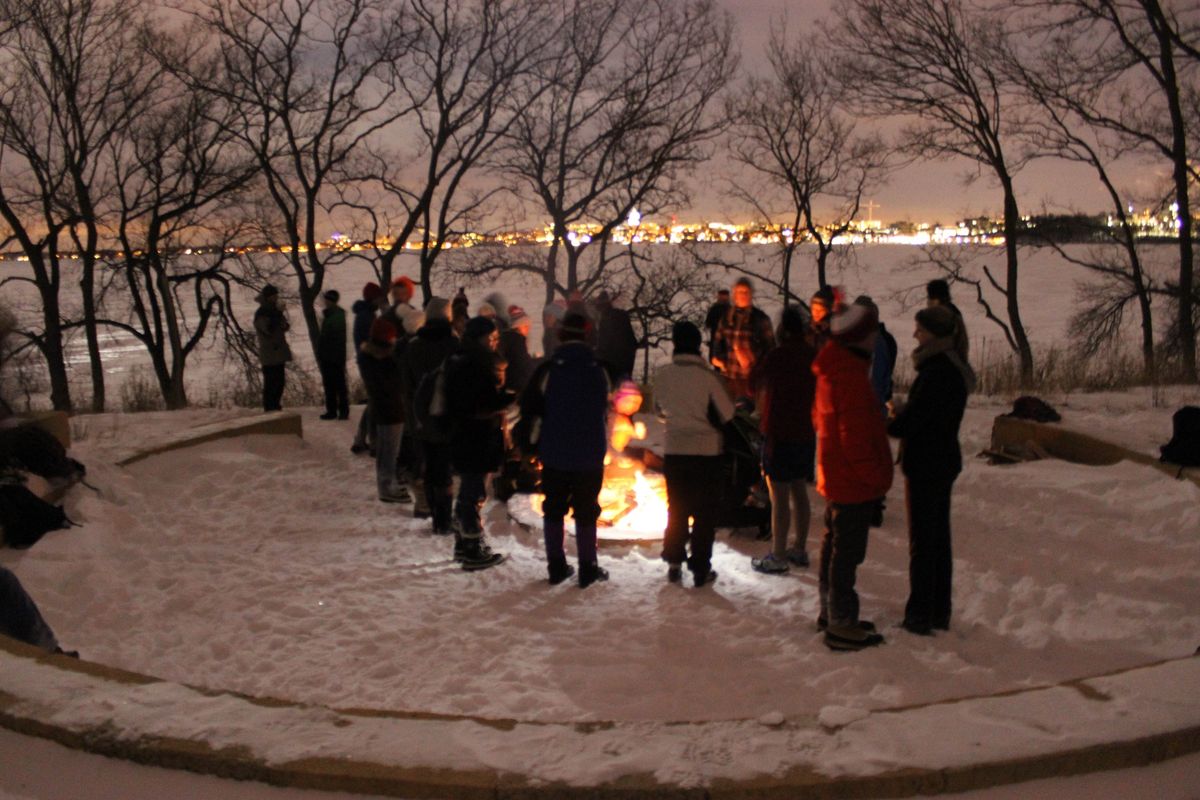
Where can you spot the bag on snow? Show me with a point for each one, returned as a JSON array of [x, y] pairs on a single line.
[[1184, 447], [1034, 408], [32, 449], [25, 518]]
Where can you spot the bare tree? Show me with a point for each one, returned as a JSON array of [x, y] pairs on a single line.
[[314, 81], [805, 158], [624, 109], [74, 75], [460, 78], [178, 172], [933, 61], [1133, 63]]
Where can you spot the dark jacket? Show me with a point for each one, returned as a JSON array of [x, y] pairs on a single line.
[[616, 343], [928, 424], [571, 390], [476, 405], [785, 384], [364, 315], [331, 342], [381, 375], [757, 328], [515, 349], [433, 344], [883, 364], [271, 327]]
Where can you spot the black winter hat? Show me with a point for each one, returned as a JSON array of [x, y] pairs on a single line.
[[686, 338], [938, 320], [574, 327], [332, 296], [478, 328]]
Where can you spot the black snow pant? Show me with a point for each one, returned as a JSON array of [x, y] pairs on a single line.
[[930, 560], [842, 550], [273, 378], [337, 395], [693, 490], [438, 478]]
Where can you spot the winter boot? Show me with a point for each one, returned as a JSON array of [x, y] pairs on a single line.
[[590, 572], [770, 565], [560, 571], [479, 556], [706, 578], [866, 625], [421, 509], [397, 493], [798, 556], [851, 637], [675, 573]]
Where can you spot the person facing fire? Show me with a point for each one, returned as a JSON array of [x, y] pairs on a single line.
[[692, 402], [743, 338], [568, 393]]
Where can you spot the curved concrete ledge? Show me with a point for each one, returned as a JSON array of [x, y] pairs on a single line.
[[277, 423], [1130, 718]]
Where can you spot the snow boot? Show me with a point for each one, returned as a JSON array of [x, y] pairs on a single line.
[[866, 625], [477, 556], [797, 556], [560, 571], [398, 493], [421, 509], [590, 572], [708, 578], [850, 638], [675, 573], [770, 565]]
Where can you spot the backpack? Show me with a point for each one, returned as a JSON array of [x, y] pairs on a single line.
[[1184, 447], [32, 449], [1034, 408], [25, 518], [430, 408]]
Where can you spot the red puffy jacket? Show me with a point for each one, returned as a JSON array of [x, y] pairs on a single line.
[[854, 460]]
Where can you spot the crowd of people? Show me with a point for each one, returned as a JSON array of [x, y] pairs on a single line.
[[455, 395]]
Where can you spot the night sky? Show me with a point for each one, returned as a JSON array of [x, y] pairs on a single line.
[[931, 191]]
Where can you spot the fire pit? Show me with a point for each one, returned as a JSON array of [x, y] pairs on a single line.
[[633, 500]]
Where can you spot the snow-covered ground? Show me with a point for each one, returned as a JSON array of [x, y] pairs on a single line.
[[264, 565]]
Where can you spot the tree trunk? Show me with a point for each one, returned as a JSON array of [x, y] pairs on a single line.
[[1180, 156], [51, 345], [1012, 223], [551, 271], [87, 288]]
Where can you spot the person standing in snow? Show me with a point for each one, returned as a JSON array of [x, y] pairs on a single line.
[[476, 404], [331, 358], [616, 343], [692, 401], [366, 310], [785, 384], [854, 470], [883, 360], [743, 338], [570, 390], [271, 327], [927, 426], [514, 347], [381, 374], [716, 313], [937, 293], [428, 350]]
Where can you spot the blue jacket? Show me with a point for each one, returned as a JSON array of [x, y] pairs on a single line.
[[364, 315], [574, 389]]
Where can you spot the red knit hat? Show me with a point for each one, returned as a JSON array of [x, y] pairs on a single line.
[[372, 292], [406, 282], [516, 315], [383, 331]]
